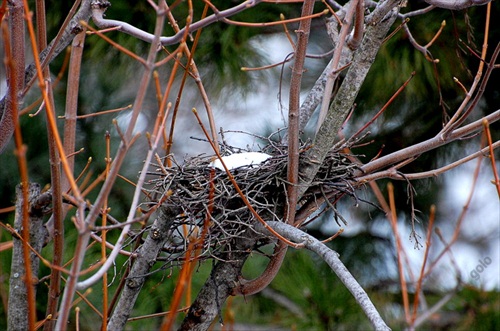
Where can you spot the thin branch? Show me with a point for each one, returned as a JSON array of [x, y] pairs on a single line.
[[458, 118], [108, 183], [456, 4], [384, 107], [14, 40], [335, 63], [428, 145], [425, 49], [416, 12], [293, 112], [418, 289], [460, 219], [68, 30], [491, 147], [392, 216], [429, 313], [332, 259], [102, 23], [394, 174], [160, 124]]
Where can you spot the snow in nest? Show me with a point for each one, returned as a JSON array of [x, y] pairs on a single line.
[[237, 160]]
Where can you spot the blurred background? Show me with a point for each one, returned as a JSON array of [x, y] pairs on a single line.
[[249, 104]]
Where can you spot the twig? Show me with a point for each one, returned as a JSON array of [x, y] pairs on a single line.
[[458, 118], [108, 183], [392, 216], [492, 155], [422, 269], [460, 219], [416, 12], [384, 107], [102, 23], [115, 44], [425, 49], [160, 122]]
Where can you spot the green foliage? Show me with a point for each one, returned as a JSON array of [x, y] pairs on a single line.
[[325, 304], [310, 285], [470, 309]]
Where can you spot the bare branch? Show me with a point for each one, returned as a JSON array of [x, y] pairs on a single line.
[[108, 184], [344, 100], [20, 284], [428, 145], [456, 4], [70, 28], [332, 259], [335, 63], [145, 260], [394, 174], [15, 40], [99, 20]]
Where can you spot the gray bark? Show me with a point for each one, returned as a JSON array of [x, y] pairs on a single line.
[[224, 277], [17, 314], [146, 258], [345, 98]]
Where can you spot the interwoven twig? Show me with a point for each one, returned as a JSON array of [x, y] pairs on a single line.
[[264, 187]]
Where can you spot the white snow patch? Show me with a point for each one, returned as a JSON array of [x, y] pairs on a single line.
[[239, 160]]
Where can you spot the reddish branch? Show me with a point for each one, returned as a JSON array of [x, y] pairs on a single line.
[[258, 284], [15, 74], [94, 212], [359, 26]]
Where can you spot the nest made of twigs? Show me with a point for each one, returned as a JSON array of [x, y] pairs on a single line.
[[203, 200]]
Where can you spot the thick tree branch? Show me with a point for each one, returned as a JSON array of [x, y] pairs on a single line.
[[224, 277], [258, 284], [141, 267], [344, 100], [395, 174], [335, 63], [18, 310], [15, 41], [253, 286]]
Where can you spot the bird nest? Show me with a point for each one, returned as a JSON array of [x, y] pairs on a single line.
[[201, 201]]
